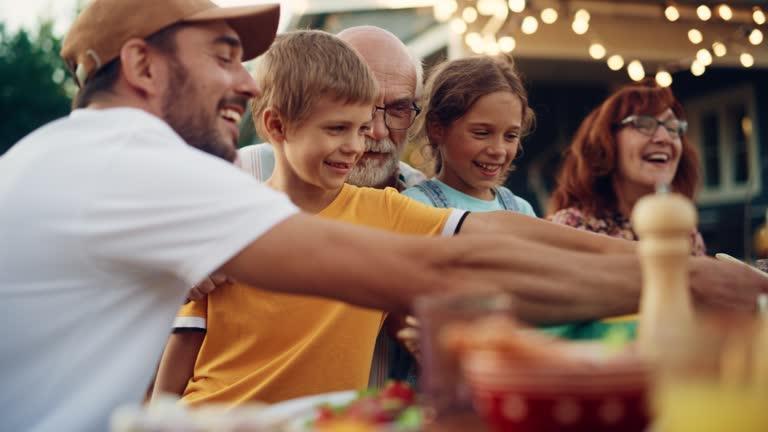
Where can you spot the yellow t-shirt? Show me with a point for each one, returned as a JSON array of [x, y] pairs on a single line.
[[265, 346]]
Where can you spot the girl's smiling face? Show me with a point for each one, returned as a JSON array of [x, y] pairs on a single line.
[[478, 148]]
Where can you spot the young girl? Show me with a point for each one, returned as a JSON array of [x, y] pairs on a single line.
[[476, 111]]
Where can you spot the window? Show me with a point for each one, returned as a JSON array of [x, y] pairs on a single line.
[[721, 124]]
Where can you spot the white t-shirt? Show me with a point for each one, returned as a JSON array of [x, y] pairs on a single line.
[[108, 218]]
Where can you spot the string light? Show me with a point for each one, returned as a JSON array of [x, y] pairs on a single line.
[[582, 15], [549, 16], [444, 10], [474, 41], [719, 49], [758, 16], [507, 44], [469, 14], [672, 13], [597, 51], [580, 26], [486, 7], [458, 26], [704, 12], [725, 12], [664, 78], [697, 69], [704, 57], [695, 36], [517, 6], [615, 62], [746, 60], [635, 70], [490, 45], [530, 25]]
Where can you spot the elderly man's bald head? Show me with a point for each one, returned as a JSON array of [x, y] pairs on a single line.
[[384, 52]]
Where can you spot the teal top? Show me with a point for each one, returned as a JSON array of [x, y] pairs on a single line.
[[462, 201]]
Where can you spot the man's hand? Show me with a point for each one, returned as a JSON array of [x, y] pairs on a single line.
[[208, 284], [725, 285]]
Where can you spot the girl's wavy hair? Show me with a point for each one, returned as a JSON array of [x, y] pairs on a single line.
[[453, 88], [589, 163]]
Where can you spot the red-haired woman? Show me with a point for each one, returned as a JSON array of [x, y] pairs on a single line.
[[630, 143]]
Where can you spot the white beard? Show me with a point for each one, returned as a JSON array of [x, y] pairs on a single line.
[[374, 173]]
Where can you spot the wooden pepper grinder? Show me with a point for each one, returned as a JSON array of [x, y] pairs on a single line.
[[663, 222]]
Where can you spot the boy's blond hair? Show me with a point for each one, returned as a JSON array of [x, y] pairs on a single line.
[[305, 65]]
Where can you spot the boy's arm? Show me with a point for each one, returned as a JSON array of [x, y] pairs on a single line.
[[544, 232], [178, 362]]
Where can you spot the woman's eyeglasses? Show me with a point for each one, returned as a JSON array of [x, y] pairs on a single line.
[[647, 125]]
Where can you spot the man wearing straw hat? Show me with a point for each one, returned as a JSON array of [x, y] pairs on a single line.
[[111, 213]]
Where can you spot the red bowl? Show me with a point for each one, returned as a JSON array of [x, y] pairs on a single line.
[[603, 396]]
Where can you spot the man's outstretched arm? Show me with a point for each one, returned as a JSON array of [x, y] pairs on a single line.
[[312, 256], [543, 231]]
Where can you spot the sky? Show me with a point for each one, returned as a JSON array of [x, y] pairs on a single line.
[[27, 13]]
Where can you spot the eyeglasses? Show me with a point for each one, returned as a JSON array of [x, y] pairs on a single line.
[[647, 125], [399, 116]]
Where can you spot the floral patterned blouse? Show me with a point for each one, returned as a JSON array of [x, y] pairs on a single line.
[[614, 225]]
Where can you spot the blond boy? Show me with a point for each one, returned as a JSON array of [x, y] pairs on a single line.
[[316, 107]]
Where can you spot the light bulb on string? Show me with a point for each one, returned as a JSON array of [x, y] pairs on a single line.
[[725, 12], [597, 51], [704, 12], [663, 78], [549, 16], [490, 46], [615, 62], [747, 60], [458, 26], [672, 13], [580, 26], [697, 69], [719, 49], [530, 25], [582, 15], [486, 7], [474, 41], [507, 44], [517, 6], [758, 16], [444, 10], [469, 14], [695, 36], [755, 37], [635, 70], [704, 57]]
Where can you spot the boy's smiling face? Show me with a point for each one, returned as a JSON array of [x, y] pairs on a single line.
[[321, 150]]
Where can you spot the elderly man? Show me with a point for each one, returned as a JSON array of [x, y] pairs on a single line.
[[103, 235]]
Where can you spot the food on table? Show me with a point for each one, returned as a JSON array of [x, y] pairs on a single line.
[[394, 406]]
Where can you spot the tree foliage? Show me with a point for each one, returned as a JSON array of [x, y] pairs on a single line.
[[34, 87]]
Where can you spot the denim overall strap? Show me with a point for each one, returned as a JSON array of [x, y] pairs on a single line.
[[434, 193], [507, 199]]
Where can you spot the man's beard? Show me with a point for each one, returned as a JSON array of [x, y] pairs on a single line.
[[185, 115], [376, 173]]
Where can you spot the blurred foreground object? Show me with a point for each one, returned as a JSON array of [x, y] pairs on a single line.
[[526, 381], [663, 221], [715, 378]]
